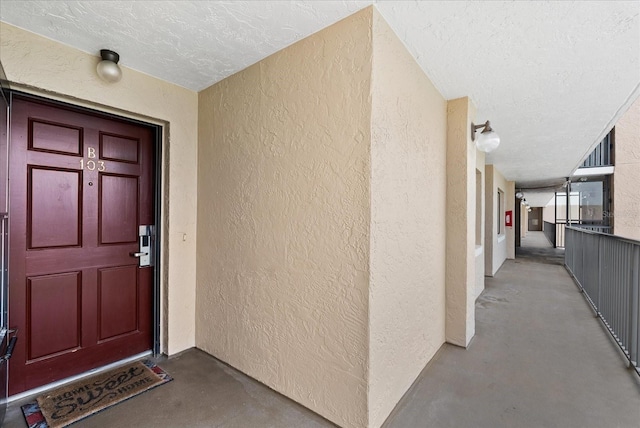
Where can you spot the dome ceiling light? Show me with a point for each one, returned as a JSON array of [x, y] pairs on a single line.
[[108, 69]]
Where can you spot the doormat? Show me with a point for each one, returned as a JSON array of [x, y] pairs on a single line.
[[70, 403]]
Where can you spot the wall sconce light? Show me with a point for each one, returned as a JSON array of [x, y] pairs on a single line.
[[108, 69], [519, 195], [488, 140]]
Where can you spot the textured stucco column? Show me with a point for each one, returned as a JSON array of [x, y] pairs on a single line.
[[499, 245], [408, 222], [625, 213], [461, 185], [480, 250]]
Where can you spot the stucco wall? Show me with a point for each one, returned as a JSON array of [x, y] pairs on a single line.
[[480, 221], [524, 221], [45, 67], [499, 246], [461, 200], [626, 192], [549, 211], [283, 228], [408, 222]]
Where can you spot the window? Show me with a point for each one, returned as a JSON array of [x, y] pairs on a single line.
[[589, 202], [500, 214]]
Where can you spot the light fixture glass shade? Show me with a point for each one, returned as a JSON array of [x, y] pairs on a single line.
[[108, 69], [519, 195], [487, 141]]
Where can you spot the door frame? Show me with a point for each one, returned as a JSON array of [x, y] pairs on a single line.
[[158, 140]]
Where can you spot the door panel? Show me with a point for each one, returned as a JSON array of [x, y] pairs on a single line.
[[55, 138], [118, 209], [118, 148], [54, 208], [53, 332], [80, 186], [117, 288]]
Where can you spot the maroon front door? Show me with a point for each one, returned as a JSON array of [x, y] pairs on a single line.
[[80, 185]]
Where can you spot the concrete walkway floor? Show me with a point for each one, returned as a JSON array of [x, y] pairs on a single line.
[[539, 359], [535, 247]]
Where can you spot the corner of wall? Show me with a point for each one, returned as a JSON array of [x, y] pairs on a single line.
[[511, 206], [490, 216], [480, 217], [408, 221], [284, 220], [626, 198], [460, 273], [499, 245]]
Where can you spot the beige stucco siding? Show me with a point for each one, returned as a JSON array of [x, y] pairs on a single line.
[[42, 66], [283, 200], [408, 223], [626, 178], [549, 211], [332, 189], [460, 223], [499, 244], [480, 221]]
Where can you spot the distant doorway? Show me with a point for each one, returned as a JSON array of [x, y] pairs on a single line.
[[535, 220]]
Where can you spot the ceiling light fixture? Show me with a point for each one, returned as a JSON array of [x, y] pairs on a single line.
[[488, 140], [108, 69], [519, 195]]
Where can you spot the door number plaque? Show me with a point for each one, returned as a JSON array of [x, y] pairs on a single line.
[[91, 164]]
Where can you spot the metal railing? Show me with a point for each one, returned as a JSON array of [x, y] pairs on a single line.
[[559, 242], [549, 230], [607, 269], [593, 227]]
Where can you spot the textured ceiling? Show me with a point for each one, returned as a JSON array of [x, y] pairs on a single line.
[[552, 76], [191, 43]]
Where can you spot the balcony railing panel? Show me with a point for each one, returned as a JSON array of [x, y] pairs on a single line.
[[607, 269], [549, 230], [601, 155]]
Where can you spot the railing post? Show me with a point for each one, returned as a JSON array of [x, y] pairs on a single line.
[[635, 302]]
